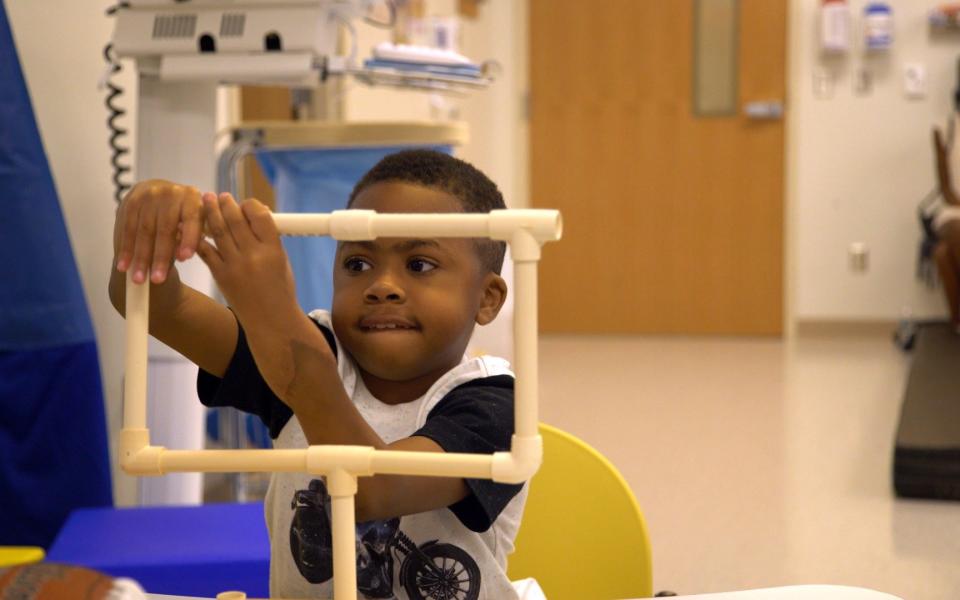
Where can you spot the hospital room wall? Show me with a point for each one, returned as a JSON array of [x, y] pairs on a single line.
[[858, 164]]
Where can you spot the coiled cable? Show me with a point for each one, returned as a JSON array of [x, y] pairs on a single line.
[[118, 150]]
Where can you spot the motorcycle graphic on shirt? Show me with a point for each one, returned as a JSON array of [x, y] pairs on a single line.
[[430, 571]]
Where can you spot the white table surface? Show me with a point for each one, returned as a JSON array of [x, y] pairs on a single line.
[[799, 592], [796, 592]]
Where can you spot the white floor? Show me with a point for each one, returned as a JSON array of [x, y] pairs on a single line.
[[758, 463]]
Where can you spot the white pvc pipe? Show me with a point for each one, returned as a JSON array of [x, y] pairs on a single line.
[[233, 461], [342, 487], [473, 466], [524, 230], [387, 462], [526, 253], [543, 225], [135, 366]]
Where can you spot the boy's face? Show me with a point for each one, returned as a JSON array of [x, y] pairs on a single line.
[[405, 308]]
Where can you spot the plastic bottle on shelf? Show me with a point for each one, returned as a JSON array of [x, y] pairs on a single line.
[[834, 26]]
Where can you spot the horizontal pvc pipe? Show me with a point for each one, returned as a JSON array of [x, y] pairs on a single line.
[[233, 461], [544, 225], [442, 225], [475, 466], [305, 224]]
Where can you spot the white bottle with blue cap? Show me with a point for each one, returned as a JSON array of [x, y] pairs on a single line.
[[878, 26]]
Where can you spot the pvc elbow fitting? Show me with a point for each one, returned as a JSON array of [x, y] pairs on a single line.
[[137, 456], [543, 225], [521, 463]]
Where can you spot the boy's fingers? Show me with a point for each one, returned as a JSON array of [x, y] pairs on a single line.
[[190, 211], [118, 232], [168, 216], [145, 232], [129, 216], [261, 220], [210, 256], [235, 220], [216, 227]]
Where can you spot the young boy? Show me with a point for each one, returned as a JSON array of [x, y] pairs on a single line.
[[384, 368]]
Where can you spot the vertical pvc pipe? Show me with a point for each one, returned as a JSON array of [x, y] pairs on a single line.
[[135, 379], [526, 252], [343, 489]]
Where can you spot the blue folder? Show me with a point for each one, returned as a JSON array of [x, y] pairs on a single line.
[[177, 550]]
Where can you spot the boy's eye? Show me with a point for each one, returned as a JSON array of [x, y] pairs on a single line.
[[356, 264], [418, 265]]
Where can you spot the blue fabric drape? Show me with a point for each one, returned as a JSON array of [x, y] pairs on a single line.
[[317, 180], [53, 440]]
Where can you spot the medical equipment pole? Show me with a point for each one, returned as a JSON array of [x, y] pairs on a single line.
[[176, 129]]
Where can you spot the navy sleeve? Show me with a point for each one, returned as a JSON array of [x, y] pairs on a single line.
[[476, 417], [244, 388]]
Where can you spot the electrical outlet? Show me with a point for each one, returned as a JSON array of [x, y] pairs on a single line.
[[859, 256], [822, 84], [915, 80]]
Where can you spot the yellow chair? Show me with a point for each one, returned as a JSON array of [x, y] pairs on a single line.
[[583, 536], [11, 556]]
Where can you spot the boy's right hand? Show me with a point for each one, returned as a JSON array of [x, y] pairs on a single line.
[[157, 222]]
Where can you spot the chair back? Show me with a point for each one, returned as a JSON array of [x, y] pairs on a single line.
[[583, 536]]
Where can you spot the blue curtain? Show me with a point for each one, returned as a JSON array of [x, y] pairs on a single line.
[[317, 180], [53, 438]]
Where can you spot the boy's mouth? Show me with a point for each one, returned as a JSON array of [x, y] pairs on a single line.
[[387, 323]]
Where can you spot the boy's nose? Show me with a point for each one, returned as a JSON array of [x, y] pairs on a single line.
[[384, 290]]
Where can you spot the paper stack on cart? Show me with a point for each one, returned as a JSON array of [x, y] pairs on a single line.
[[423, 59]]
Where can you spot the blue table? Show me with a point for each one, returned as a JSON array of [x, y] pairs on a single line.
[[183, 550]]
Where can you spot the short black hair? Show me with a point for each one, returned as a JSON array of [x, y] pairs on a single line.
[[474, 190]]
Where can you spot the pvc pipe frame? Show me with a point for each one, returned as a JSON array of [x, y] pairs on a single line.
[[524, 230]]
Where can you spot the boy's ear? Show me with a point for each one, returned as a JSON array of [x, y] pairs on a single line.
[[494, 294]]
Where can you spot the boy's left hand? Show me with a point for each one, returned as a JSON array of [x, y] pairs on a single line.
[[248, 261]]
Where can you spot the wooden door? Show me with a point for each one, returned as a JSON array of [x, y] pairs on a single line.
[[673, 223]]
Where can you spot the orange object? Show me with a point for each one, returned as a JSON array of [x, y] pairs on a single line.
[[54, 581]]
